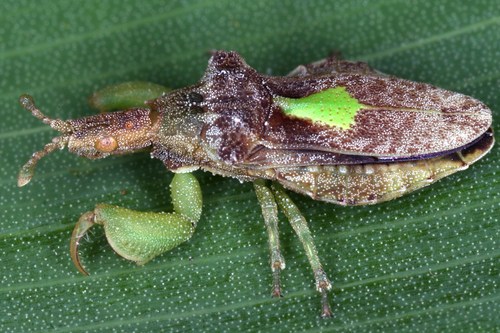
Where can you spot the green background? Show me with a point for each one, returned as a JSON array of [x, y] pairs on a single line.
[[427, 262]]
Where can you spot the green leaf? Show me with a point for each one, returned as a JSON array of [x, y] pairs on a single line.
[[429, 261]]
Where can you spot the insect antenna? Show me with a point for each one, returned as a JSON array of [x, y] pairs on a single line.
[[28, 104], [28, 170]]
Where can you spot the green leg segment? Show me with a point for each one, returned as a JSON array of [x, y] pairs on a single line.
[[299, 224], [126, 95], [270, 213], [140, 236]]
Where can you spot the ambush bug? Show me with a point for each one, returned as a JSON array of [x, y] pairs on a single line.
[[335, 130]]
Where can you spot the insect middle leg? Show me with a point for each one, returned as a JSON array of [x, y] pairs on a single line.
[[270, 213], [299, 224]]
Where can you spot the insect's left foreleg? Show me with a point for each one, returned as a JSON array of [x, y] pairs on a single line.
[[299, 224]]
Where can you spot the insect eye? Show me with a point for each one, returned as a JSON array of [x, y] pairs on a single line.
[[106, 144]]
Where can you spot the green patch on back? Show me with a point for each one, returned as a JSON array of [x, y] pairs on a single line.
[[333, 107]]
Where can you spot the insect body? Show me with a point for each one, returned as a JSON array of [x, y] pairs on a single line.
[[334, 130]]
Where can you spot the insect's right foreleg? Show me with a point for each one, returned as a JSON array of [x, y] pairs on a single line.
[[126, 95], [140, 236]]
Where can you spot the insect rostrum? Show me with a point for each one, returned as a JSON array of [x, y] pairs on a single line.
[[335, 130]]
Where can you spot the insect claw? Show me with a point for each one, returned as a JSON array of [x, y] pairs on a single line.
[[276, 281], [325, 307], [82, 226]]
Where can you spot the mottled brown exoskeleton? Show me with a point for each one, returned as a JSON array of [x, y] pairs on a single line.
[[334, 130]]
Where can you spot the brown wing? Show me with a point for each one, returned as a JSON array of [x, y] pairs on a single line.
[[398, 118], [242, 110]]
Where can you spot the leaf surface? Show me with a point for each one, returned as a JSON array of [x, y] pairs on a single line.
[[427, 262]]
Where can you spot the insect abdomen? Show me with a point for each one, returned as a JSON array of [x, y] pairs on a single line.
[[365, 184]]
